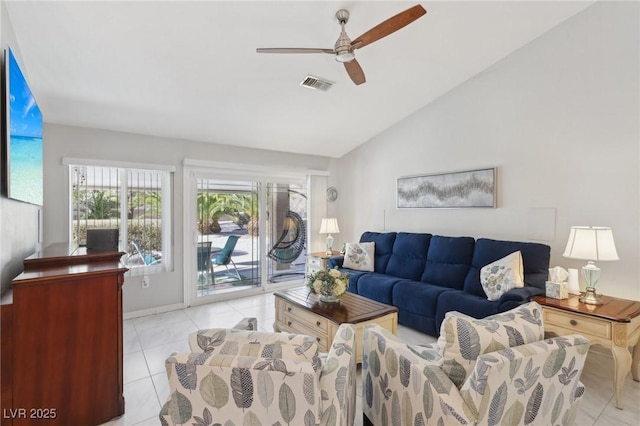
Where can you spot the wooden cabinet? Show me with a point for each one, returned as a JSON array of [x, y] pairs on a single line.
[[66, 339]]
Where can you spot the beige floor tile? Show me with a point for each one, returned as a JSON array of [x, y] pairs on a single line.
[[157, 355], [135, 367], [130, 340], [215, 315], [161, 384], [160, 320], [148, 341], [163, 334]]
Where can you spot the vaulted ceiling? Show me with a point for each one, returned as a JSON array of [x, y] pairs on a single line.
[[189, 69]]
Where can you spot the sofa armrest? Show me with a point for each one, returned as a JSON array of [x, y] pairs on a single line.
[[338, 378], [398, 375], [335, 261], [518, 296]]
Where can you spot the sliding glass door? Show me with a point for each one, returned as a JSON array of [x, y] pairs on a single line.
[[250, 235], [227, 244]]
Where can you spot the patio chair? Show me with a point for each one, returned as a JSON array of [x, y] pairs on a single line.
[[223, 257], [292, 240], [147, 259], [204, 261]]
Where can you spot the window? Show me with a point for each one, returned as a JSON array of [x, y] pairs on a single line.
[[136, 201]]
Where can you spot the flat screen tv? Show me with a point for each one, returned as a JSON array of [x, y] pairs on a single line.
[[23, 136]]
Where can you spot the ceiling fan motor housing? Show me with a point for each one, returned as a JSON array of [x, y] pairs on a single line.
[[343, 48]]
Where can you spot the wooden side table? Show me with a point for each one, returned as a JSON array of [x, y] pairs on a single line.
[[317, 261], [615, 325]]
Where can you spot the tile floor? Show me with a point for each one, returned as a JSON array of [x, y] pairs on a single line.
[[149, 340]]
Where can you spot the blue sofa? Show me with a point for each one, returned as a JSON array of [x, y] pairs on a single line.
[[425, 276]]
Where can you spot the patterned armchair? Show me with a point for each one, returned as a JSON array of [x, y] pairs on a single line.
[[498, 370], [238, 377]]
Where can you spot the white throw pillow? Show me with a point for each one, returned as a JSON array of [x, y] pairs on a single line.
[[502, 275], [360, 256]]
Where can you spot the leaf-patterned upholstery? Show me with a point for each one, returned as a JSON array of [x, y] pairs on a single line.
[[491, 371], [237, 377], [463, 338]]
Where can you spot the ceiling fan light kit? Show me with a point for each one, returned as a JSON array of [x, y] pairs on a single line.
[[344, 47]]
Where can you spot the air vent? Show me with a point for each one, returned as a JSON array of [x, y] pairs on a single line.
[[316, 83]]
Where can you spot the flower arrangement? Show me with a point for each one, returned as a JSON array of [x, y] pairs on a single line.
[[330, 284]]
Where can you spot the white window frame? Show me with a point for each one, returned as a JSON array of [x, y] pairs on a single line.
[[167, 173]]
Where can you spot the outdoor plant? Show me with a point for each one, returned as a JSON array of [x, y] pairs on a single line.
[[241, 208]]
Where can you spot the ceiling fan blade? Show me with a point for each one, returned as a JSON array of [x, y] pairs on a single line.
[[355, 72], [389, 26], [293, 50]]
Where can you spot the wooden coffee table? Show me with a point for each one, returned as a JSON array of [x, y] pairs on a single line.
[[297, 311], [615, 325]]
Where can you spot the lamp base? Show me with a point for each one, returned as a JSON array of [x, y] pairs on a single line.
[[329, 251], [590, 297]]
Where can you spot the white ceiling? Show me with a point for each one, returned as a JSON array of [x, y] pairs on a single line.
[[189, 70]]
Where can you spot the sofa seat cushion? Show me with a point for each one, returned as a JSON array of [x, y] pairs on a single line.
[[448, 261], [409, 255], [463, 339], [378, 287], [535, 259], [384, 247], [468, 304], [417, 297], [354, 277]]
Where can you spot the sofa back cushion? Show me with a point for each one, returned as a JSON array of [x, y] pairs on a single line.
[[384, 247], [409, 255], [463, 339], [535, 258], [448, 261]]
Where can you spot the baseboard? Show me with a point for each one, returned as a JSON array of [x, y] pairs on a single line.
[[152, 311]]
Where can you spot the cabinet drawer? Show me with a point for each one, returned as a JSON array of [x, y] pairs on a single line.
[[312, 321], [579, 324], [292, 324], [315, 262]]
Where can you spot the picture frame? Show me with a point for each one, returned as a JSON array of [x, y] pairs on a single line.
[[463, 189]]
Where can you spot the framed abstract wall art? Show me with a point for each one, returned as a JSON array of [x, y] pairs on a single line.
[[474, 188]]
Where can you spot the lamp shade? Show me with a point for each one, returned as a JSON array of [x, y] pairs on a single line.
[[591, 243], [329, 226]]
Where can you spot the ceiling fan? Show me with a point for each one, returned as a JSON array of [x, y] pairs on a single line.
[[344, 47]]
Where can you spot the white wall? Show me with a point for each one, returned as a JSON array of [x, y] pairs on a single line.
[[66, 141], [18, 221], [559, 118]]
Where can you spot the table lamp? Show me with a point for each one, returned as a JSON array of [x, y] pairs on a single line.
[[591, 243], [329, 226]]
